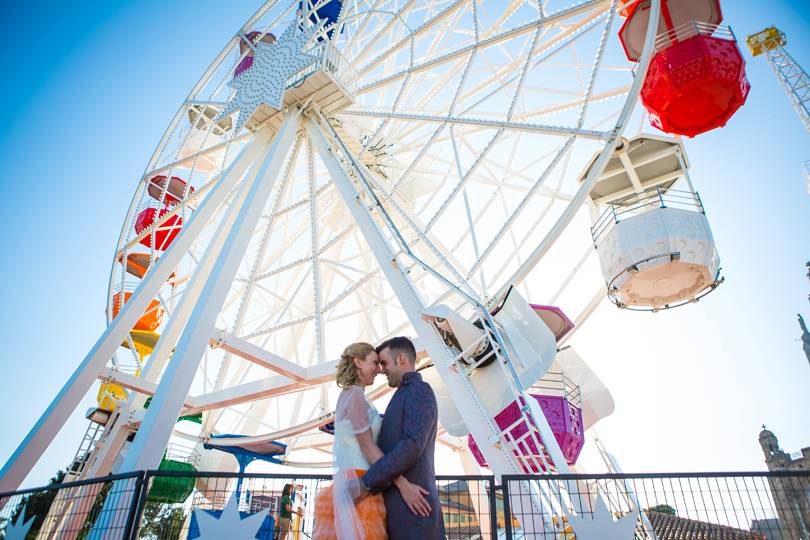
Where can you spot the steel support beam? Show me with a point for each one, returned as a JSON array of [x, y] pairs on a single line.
[[156, 428], [50, 423]]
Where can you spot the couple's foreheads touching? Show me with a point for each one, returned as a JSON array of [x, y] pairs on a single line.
[[361, 362]]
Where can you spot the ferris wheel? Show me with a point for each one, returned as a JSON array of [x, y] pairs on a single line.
[[465, 124], [348, 171]]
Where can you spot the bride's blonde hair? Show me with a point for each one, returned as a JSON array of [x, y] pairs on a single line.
[[346, 370]]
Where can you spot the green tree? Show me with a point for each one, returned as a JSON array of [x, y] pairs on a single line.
[[663, 509], [37, 504], [162, 521]]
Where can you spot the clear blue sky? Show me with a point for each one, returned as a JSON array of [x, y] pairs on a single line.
[[91, 86]]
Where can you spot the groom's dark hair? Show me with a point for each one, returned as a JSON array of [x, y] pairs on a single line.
[[400, 345]]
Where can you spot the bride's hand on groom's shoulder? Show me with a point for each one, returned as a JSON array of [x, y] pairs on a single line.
[[414, 496]]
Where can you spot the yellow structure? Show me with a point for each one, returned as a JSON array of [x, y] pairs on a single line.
[[108, 394], [144, 341], [767, 40]]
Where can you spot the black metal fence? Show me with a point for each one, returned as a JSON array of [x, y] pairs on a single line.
[[180, 505], [97, 508], [738, 506]]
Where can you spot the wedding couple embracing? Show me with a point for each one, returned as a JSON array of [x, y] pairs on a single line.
[[385, 483]]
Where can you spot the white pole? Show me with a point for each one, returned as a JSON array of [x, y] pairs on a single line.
[[167, 403], [399, 282], [102, 463], [39, 438], [471, 410], [110, 444], [157, 426]]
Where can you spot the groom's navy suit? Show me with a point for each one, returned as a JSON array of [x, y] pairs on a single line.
[[408, 438]]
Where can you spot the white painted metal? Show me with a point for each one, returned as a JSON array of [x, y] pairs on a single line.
[[530, 341], [794, 80], [596, 401], [596, 170], [466, 399], [468, 194], [20, 463], [104, 456], [503, 452], [153, 435]]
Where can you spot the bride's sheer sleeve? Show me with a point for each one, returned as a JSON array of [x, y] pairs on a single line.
[[352, 410], [351, 414]]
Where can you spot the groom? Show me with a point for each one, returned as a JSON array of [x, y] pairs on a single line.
[[408, 438]]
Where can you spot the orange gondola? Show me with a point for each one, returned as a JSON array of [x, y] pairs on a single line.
[[139, 263], [152, 317]]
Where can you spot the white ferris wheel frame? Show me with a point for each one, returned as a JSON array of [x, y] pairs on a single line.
[[192, 325]]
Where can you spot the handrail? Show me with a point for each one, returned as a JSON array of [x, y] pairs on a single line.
[[331, 60], [653, 197], [630, 476], [691, 29], [558, 382]]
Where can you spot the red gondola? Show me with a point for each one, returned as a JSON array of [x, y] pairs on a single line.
[[696, 80], [165, 233], [174, 193]]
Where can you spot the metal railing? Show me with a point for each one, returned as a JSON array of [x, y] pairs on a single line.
[[329, 59], [736, 506], [558, 384], [687, 30], [166, 505], [691, 29], [72, 509], [653, 197]]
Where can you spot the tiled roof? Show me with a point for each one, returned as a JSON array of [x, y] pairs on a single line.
[[669, 527]]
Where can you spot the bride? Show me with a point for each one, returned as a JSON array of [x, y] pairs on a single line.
[[357, 424]]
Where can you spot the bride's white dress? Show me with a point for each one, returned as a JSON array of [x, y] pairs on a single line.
[[353, 415]]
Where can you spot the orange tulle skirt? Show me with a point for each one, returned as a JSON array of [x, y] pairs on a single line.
[[370, 510]]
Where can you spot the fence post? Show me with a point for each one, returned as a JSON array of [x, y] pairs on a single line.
[[493, 509], [507, 510], [138, 502]]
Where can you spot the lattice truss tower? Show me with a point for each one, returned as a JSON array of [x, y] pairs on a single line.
[[792, 76]]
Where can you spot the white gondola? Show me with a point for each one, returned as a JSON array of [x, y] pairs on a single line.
[[204, 146], [530, 343], [654, 243], [596, 401]]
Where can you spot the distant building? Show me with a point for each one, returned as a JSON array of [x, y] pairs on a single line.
[[791, 496], [769, 528], [669, 527]]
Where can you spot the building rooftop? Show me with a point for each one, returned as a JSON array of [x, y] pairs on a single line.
[[669, 527]]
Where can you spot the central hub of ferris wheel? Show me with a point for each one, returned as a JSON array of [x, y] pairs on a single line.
[[281, 74]]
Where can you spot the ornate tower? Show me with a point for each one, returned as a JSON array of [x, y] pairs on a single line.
[[789, 493], [775, 457]]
